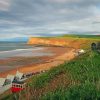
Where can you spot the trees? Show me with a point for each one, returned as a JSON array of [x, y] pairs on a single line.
[[93, 46], [98, 45]]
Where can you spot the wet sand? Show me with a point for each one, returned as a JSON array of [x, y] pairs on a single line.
[[61, 54]]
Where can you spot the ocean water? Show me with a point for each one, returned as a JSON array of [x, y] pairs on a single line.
[[7, 46], [8, 50]]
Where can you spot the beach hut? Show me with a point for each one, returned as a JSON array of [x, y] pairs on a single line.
[[2, 81], [18, 86]]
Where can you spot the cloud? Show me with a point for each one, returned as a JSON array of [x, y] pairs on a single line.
[[96, 23], [64, 1], [4, 5], [48, 17]]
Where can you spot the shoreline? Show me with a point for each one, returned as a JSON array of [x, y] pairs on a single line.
[[62, 54]]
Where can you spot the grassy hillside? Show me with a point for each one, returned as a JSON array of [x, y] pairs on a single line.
[[78, 79]]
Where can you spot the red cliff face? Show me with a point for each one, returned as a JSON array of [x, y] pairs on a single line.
[[47, 41], [70, 42]]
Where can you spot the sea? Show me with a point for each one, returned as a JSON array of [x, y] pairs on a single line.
[[20, 49]]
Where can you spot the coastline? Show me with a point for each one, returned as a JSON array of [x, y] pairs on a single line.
[[62, 54]]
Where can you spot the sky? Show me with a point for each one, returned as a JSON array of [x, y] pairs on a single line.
[[27, 18]]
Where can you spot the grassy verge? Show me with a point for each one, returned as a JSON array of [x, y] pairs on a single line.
[[85, 91], [78, 79], [85, 80]]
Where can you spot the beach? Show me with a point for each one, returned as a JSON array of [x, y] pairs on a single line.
[[39, 63]]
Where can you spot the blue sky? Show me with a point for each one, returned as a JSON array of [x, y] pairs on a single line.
[[26, 18]]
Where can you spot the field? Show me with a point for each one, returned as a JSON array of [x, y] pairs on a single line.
[[78, 79], [81, 36]]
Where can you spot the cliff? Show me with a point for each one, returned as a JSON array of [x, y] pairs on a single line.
[[70, 42]]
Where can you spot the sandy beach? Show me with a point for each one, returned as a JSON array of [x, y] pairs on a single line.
[[61, 54]]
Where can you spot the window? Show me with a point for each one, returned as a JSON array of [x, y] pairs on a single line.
[[21, 86]]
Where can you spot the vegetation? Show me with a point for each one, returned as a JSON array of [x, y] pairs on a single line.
[[73, 36], [85, 91], [78, 79], [82, 36], [85, 80]]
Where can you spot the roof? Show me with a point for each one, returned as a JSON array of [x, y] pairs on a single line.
[[19, 74], [2, 81], [18, 82]]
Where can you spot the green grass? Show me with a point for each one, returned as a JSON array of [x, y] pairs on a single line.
[[83, 68], [84, 75], [41, 80], [74, 36], [85, 91], [79, 37], [82, 36]]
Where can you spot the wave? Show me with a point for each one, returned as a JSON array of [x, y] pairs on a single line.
[[18, 50]]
